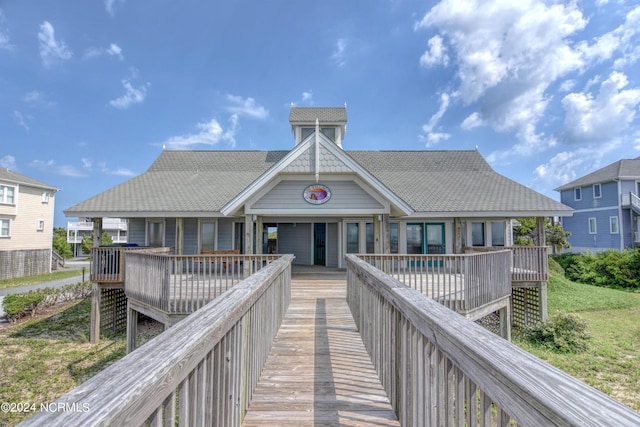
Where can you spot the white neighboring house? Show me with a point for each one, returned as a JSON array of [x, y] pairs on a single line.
[[76, 230], [26, 225]]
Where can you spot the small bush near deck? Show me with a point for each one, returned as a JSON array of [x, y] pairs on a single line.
[[20, 305], [563, 332]]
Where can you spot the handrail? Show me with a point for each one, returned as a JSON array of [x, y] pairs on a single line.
[[438, 368], [201, 371], [458, 281], [181, 284], [107, 262], [530, 263]]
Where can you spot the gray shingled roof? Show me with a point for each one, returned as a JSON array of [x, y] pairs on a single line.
[[11, 176], [429, 181], [323, 114], [457, 182], [622, 169]]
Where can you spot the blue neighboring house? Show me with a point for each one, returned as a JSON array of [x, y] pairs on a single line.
[[606, 208]]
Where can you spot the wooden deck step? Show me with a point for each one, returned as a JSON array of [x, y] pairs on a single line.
[[318, 372]]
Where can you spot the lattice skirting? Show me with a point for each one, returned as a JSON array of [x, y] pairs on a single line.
[[113, 310], [526, 306]]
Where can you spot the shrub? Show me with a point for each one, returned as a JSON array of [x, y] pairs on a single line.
[[563, 333], [18, 305]]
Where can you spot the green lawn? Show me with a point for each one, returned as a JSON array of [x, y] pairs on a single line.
[[612, 362]]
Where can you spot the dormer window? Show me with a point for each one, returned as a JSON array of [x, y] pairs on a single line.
[[305, 132], [329, 132]]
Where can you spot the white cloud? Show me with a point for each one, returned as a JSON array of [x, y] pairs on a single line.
[[8, 162], [113, 50], [110, 6], [210, 133], [436, 54], [307, 96], [432, 138], [4, 34], [229, 135], [21, 119], [339, 55], [131, 96], [52, 51], [37, 99], [603, 117], [246, 107], [118, 171], [86, 163], [51, 166], [472, 121]]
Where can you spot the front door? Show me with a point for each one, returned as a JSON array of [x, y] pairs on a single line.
[[319, 237]]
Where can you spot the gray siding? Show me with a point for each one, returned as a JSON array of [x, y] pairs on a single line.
[[225, 233], [136, 231], [296, 240], [287, 195], [190, 238]]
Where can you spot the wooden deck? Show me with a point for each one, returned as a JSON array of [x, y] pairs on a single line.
[[318, 372]]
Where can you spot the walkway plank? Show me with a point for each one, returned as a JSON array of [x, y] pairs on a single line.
[[318, 372]]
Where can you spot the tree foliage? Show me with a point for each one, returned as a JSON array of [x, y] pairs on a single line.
[[87, 241], [526, 234], [60, 244]]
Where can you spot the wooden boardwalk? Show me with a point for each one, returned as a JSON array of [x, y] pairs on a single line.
[[318, 372]]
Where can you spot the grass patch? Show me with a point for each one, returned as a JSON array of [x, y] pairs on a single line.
[[612, 360], [30, 280], [44, 358]]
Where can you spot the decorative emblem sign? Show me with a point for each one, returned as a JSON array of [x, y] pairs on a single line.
[[317, 194]]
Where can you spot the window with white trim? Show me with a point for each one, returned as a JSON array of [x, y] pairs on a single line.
[[613, 225], [577, 194], [7, 194], [155, 233], [597, 191], [592, 226], [40, 225], [477, 234], [5, 227], [207, 235], [45, 197]]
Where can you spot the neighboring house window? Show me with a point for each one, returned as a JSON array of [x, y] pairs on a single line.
[[7, 194], [207, 235], [477, 234], [155, 233], [5, 227], [40, 225], [613, 224], [497, 234], [592, 226], [597, 191], [577, 194], [45, 197]]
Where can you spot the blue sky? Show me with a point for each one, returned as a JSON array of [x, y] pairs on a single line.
[[90, 91]]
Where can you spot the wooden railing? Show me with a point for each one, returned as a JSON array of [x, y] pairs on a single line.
[[202, 371], [181, 284], [56, 260], [529, 264], [459, 282], [107, 263], [438, 368]]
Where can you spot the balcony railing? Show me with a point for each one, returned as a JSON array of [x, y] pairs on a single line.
[[181, 284], [107, 263], [529, 263], [462, 282]]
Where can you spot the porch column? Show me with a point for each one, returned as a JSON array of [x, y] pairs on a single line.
[[97, 232], [457, 236], [248, 243], [384, 235], [376, 234], [259, 234], [540, 228], [179, 243], [94, 329], [132, 329]]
